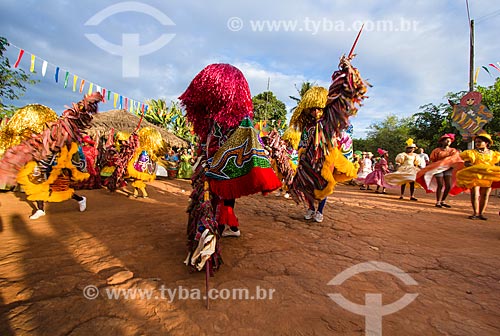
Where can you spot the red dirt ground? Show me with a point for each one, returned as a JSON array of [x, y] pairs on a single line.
[[140, 244]]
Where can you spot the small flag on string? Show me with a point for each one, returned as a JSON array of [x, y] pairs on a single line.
[[121, 101], [75, 78], [44, 68], [82, 84], [56, 76], [32, 66], [21, 53], [115, 99], [66, 77], [90, 88], [477, 74], [486, 69], [126, 103], [104, 95], [494, 66]]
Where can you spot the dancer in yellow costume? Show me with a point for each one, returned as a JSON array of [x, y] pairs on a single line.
[[49, 180], [321, 162], [480, 174], [142, 167], [27, 121]]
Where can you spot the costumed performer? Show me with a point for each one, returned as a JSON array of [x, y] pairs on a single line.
[[49, 180], [381, 168], [442, 171], [27, 121], [232, 163], [406, 173], [59, 140], [321, 115], [141, 169], [480, 173], [91, 153]]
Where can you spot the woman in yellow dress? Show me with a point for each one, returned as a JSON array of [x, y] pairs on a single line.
[[480, 174]]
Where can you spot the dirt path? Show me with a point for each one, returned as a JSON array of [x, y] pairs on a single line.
[[46, 265]]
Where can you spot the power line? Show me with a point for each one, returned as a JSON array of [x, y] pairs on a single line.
[[488, 16]]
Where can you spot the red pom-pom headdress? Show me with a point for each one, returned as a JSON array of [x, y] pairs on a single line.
[[219, 92]]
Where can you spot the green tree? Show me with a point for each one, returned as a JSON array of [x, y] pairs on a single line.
[[491, 99], [157, 112], [303, 89], [12, 82], [390, 134], [267, 107], [171, 118]]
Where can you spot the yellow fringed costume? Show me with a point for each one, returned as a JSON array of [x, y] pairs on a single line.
[[142, 167], [55, 187], [28, 120], [336, 168]]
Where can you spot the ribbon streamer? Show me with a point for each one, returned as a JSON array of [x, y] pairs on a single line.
[[82, 84], [21, 53], [32, 66], [44, 68], [75, 78], [56, 76]]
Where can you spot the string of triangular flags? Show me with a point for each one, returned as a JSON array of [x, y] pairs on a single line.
[[119, 100], [485, 68]]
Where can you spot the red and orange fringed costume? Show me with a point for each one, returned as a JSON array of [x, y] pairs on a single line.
[[232, 163]]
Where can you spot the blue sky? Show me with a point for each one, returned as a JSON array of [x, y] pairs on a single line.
[[412, 52]]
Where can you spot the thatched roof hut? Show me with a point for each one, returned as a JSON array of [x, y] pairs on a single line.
[[121, 120]]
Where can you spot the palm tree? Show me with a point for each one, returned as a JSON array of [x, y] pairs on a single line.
[[303, 89]]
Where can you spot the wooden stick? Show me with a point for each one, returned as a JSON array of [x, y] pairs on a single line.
[[207, 276], [355, 42]]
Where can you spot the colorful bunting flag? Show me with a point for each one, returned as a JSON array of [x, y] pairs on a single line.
[[82, 84], [21, 53], [75, 78], [44, 68], [125, 102], [66, 77], [56, 76], [32, 66]]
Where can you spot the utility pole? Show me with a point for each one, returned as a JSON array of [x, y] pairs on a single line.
[[471, 57], [470, 145]]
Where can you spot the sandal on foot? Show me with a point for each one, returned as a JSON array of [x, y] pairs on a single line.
[[473, 217], [445, 205], [413, 199], [438, 205], [482, 217]]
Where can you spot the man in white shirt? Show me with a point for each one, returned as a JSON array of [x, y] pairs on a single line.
[[424, 158]]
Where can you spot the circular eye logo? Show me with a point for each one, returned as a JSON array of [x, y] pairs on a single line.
[[373, 310], [130, 50]]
